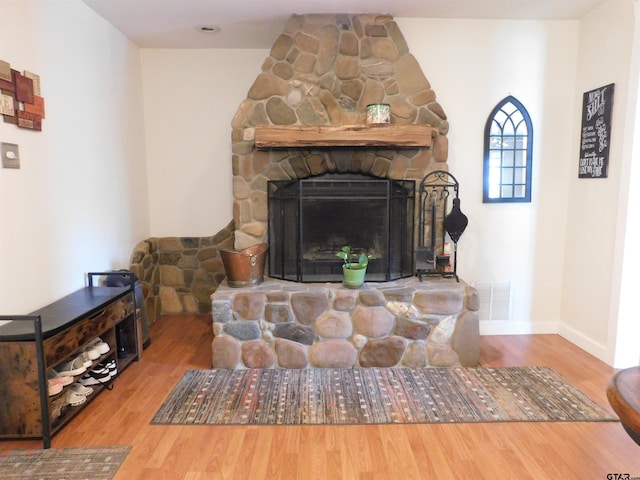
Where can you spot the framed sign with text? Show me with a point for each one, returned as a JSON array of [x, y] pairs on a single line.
[[595, 134]]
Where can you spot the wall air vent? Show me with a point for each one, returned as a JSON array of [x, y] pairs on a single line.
[[495, 301]]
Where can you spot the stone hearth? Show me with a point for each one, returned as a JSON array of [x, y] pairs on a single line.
[[404, 323]]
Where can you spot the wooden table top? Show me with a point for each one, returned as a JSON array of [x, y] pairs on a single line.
[[623, 393]]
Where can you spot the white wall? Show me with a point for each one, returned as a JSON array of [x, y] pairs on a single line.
[[597, 212], [623, 348], [190, 98], [79, 201], [472, 65]]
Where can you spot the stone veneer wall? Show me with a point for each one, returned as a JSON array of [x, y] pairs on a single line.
[[406, 322], [325, 70], [179, 274]]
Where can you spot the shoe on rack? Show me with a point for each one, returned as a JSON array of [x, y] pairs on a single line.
[[81, 389], [58, 407], [100, 346], [96, 376], [74, 399], [55, 377], [92, 351], [54, 388], [71, 368], [86, 359], [112, 367]]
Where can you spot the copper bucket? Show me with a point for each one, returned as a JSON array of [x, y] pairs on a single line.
[[244, 267]]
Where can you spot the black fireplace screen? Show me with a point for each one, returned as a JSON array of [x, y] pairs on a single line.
[[311, 219]]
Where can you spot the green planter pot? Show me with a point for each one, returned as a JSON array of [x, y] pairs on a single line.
[[353, 275]]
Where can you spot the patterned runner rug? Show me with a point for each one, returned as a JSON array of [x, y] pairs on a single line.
[[376, 396], [95, 463]]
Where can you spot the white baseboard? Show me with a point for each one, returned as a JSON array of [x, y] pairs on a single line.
[[587, 344]]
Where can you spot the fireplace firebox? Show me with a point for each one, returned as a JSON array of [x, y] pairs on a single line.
[[310, 219]]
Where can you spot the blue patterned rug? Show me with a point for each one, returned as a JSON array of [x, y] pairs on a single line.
[[376, 396], [82, 463]]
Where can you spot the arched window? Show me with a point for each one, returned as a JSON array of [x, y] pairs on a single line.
[[507, 153]]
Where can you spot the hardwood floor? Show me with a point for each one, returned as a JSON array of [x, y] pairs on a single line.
[[465, 451]]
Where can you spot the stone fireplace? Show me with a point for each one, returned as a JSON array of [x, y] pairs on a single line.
[[303, 122], [324, 70]]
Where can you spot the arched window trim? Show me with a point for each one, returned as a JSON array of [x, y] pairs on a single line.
[[487, 149]]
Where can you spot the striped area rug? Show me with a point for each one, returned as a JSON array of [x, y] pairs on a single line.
[[376, 396], [81, 463]]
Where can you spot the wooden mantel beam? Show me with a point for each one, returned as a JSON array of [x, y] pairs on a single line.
[[297, 136]]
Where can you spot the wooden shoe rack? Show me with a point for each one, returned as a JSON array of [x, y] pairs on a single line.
[[31, 345]]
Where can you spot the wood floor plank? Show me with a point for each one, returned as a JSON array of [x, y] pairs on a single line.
[[489, 451]]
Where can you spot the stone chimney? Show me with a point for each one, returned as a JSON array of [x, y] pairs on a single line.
[[325, 70]]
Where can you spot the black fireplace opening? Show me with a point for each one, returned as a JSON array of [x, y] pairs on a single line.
[[311, 219]]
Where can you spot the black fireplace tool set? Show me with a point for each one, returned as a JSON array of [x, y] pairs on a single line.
[[438, 224]]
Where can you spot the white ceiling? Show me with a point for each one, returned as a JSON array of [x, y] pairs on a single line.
[[257, 23]]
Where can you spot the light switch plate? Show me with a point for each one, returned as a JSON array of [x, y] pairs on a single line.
[[10, 155]]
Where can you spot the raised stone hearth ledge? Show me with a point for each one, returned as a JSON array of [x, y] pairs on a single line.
[[404, 323], [179, 274]]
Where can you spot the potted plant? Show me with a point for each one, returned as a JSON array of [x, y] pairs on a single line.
[[354, 267]]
